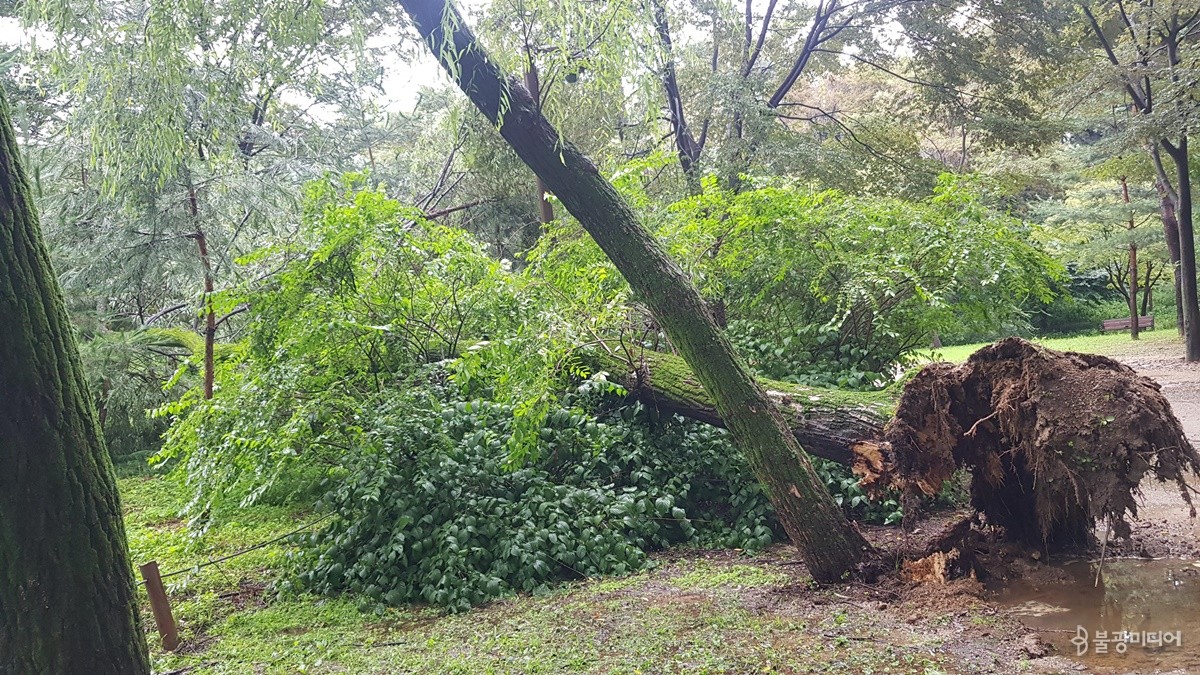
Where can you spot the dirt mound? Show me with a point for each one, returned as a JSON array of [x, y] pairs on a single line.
[[1054, 441]]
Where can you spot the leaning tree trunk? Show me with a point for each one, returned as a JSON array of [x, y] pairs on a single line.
[[828, 543], [67, 602]]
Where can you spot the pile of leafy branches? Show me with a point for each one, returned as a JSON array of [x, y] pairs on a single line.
[[403, 379], [427, 508]]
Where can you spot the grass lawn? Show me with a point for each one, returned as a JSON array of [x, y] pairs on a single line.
[[693, 612], [1107, 344]]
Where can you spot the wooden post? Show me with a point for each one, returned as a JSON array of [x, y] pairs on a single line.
[[160, 606]]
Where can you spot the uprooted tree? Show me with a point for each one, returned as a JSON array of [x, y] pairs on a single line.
[[827, 541], [1054, 441]]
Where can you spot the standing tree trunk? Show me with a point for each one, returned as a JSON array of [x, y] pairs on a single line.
[[1133, 292], [1166, 199], [1187, 246], [828, 543], [67, 602], [210, 317], [687, 147], [1133, 266], [1148, 288]]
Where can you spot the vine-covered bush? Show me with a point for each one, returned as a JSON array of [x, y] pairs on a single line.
[[430, 510]]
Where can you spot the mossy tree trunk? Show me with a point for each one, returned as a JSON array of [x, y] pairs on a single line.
[[67, 602], [828, 543], [846, 427]]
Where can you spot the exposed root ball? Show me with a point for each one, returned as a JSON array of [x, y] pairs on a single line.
[[1054, 441]]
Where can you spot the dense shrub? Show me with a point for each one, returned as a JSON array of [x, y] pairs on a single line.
[[430, 510]]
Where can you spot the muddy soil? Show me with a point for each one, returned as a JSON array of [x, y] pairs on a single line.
[[1165, 530]]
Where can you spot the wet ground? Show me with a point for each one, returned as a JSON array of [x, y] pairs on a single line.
[[1127, 615]]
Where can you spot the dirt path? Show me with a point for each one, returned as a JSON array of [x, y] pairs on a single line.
[[1163, 361], [1164, 527]]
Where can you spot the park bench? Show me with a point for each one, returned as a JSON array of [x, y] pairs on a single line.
[[1146, 322]]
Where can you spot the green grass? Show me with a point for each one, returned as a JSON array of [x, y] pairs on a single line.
[[1106, 344], [693, 612], [705, 575]]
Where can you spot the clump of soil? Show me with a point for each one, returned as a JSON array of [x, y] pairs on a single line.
[[1054, 441]]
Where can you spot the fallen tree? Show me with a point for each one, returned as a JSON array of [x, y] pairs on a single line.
[[842, 426], [1054, 441], [830, 545]]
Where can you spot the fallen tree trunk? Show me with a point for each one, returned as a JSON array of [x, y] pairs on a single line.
[[1054, 441], [837, 425]]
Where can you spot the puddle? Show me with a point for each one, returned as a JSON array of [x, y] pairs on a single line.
[[1139, 605]]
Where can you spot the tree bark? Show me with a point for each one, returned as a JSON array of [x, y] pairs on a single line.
[[1187, 242], [1133, 266], [545, 210], [829, 545], [210, 317], [841, 426], [67, 602], [1148, 288], [1170, 233], [686, 145], [1187, 246], [1133, 292]]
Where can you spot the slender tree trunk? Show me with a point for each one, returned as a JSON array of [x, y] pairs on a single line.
[[210, 317], [1171, 234], [1187, 247], [828, 543], [67, 602], [686, 145], [1148, 290], [1133, 292], [1133, 266], [545, 210]]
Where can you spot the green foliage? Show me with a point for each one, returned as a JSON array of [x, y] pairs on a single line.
[[843, 485], [826, 287], [431, 399], [429, 510], [829, 289], [124, 371], [363, 298]]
